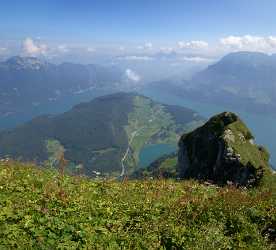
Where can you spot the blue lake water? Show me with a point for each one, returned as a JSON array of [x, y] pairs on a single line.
[[262, 126], [57, 107], [152, 152]]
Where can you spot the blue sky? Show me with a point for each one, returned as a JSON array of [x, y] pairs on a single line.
[[65, 23], [135, 20]]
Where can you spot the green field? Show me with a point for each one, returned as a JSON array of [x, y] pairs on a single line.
[[150, 123], [41, 210]]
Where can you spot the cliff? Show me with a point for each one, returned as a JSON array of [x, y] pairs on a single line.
[[223, 150]]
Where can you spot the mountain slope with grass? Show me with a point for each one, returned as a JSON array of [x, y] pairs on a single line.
[[40, 209], [100, 134], [165, 166], [223, 150]]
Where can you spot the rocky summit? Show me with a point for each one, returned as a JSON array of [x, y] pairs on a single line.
[[223, 151]]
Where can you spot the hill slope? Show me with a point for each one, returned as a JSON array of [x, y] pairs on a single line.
[[101, 133], [41, 210]]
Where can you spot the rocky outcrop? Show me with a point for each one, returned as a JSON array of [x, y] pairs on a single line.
[[223, 150]]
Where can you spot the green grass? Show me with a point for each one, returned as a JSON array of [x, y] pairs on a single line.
[[250, 152], [147, 119], [169, 165], [154, 125], [41, 210]]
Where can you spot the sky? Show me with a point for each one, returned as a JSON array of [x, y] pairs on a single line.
[[136, 29]]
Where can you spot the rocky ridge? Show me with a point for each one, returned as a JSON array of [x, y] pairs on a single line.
[[223, 151]]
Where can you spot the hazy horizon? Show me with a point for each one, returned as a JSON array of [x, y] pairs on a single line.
[[138, 30]]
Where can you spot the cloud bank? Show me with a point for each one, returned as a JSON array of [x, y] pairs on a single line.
[[250, 43], [136, 58], [194, 51], [197, 59], [146, 46]]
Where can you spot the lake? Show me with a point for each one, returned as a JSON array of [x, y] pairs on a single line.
[[152, 152], [57, 107], [262, 126]]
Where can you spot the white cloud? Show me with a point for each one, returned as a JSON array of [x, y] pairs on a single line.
[[31, 48], [251, 43], [146, 46], [133, 76], [72, 49], [136, 58], [197, 59], [193, 45], [63, 48], [166, 49], [271, 40]]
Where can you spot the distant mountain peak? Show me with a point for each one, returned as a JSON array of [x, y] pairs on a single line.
[[248, 57], [19, 62], [246, 53]]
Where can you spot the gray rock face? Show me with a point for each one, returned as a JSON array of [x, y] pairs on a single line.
[[222, 151]]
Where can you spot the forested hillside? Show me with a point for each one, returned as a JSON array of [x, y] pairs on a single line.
[[100, 133]]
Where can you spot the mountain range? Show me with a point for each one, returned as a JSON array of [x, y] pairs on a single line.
[[30, 86], [246, 80]]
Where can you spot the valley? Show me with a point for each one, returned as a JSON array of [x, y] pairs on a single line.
[[105, 135], [138, 125]]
